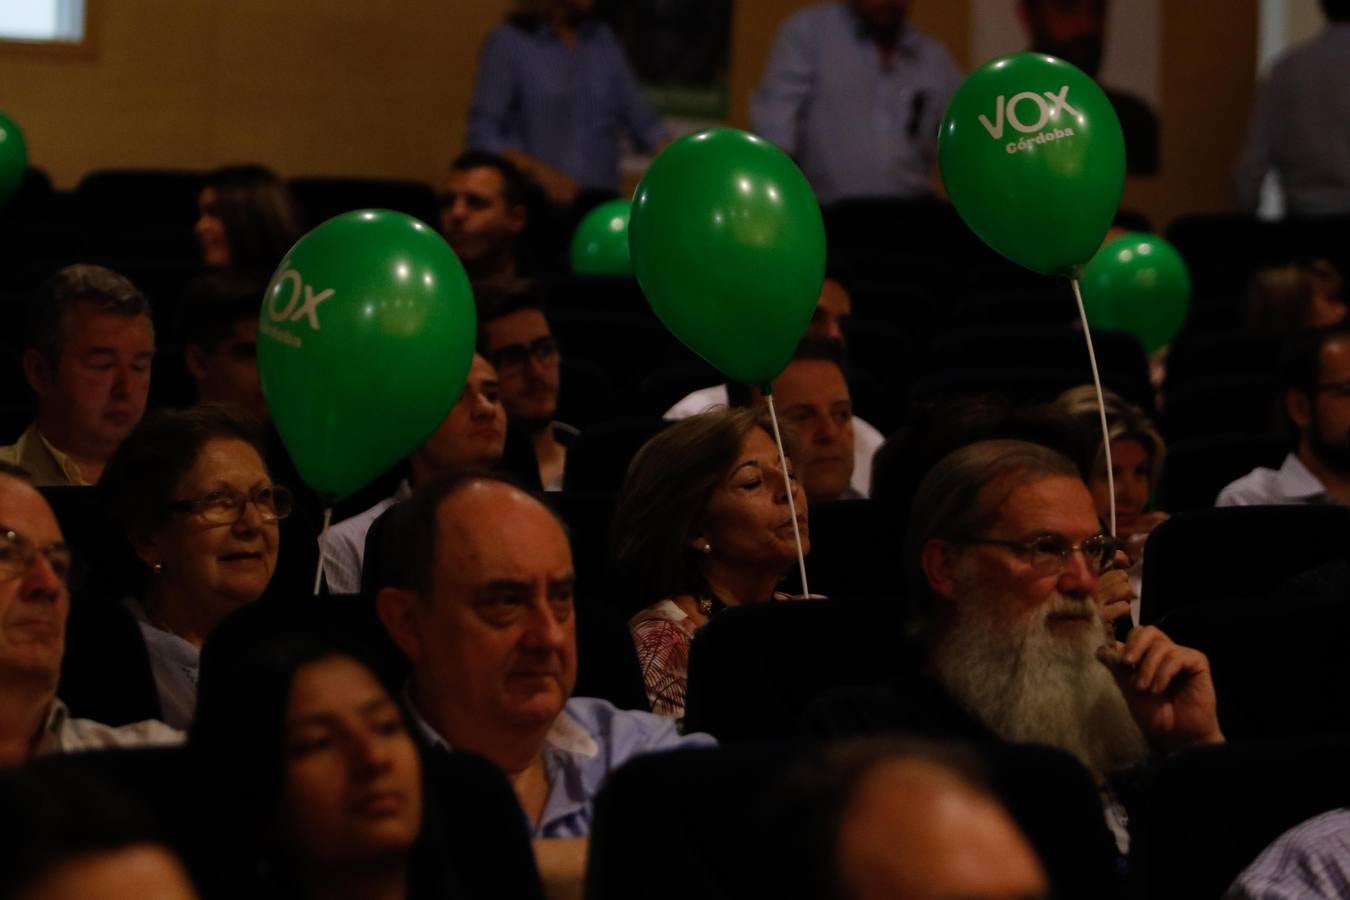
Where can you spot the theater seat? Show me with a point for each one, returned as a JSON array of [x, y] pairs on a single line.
[[1221, 404], [1199, 467], [753, 670], [711, 824], [1236, 555], [599, 457], [320, 199], [1210, 812]]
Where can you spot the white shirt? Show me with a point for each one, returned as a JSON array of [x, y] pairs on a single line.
[[866, 439], [343, 546], [173, 663], [1290, 484], [62, 734]]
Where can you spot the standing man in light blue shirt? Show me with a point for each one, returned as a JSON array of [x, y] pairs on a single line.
[[1300, 128], [856, 96], [554, 95], [482, 607]]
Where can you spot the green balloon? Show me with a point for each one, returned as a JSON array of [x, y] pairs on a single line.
[[1138, 283], [729, 247], [600, 244], [13, 158], [365, 339], [1033, 158]]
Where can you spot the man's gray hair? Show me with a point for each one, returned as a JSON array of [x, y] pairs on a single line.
[[948, 504]]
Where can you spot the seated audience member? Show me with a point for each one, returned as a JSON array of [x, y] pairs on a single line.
[[514, 336], [829, 322], [473, 434], [312, 770], [1309, 862], [1284, 300], [812, 394], [1005, 553], [34, 604], [220, 337], [483, 608], [702, 523], [246, 221], [88, 347], [1137, 455], [193, 496], [896, 820], [483, 212], [1316, 381], [1287, 135], [68, 836]]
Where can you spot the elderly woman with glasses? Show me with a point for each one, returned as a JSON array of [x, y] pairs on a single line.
[[194, 498]]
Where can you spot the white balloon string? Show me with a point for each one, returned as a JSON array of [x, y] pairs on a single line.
[[1101, 403], [318, 572], [792, 503]]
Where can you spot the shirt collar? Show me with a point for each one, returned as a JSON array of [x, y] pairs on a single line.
[[50, 740], [67, 465], [1295, 481]]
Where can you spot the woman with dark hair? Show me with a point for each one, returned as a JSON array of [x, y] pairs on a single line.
[[312, 771], [246, 220], [702, 523], [1282, 300], [193, 496]]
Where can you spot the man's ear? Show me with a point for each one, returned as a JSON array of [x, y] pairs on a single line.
[[397, 609], [517, 217], [1298, 406], [37, 371], [938, 560], [195, 360]]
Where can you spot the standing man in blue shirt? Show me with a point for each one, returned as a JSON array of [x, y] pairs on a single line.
[[554, 95], [856, 96]]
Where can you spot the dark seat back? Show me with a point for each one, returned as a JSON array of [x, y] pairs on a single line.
[[1198, 468]]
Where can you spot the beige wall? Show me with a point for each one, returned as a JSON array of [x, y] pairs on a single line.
[[348, 87], [307, 86]]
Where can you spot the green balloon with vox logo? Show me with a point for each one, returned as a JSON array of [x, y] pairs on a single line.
[[365, 339], [1033, 158]]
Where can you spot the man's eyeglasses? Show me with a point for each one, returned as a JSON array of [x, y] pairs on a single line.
[[515, 356], [1339, 388], [18, 553], [1050, 553], [226, 506]]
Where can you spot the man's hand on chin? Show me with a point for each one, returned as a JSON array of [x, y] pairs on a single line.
[[1168, 688]]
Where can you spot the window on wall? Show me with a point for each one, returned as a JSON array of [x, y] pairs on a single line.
[[43, 21]]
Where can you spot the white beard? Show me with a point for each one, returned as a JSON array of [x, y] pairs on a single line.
[[1029, 685]]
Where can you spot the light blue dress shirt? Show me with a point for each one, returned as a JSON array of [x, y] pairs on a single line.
[[1288, 485], [566, 105], [858, 125], [589, 739], [1308, 862], [1300, 129]]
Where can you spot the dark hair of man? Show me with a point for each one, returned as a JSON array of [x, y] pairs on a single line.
[[820, 348], [57, 811], [258, 214], [808, 811], [13, 471], [954, 501], [515, 186], [498, 298], [409, 539], [1336, 10], [139, 482], [52, 308], [214, 303], [1301, 364], [664, 494]]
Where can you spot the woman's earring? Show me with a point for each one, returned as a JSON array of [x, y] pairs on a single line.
[[706, 548], [157, 568]]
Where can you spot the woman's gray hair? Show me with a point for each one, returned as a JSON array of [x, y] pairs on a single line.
[[1124, 422]]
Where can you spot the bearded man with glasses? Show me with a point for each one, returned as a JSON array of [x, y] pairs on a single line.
[[1005, 555], [34, 603]]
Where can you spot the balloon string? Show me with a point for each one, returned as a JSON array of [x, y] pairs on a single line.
[[318, 572], [792, 503], [1101, 403]]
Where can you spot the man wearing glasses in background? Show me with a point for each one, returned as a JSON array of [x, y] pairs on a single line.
[[1004, 553], [34, 603], [1316, 382], [515, 337]]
